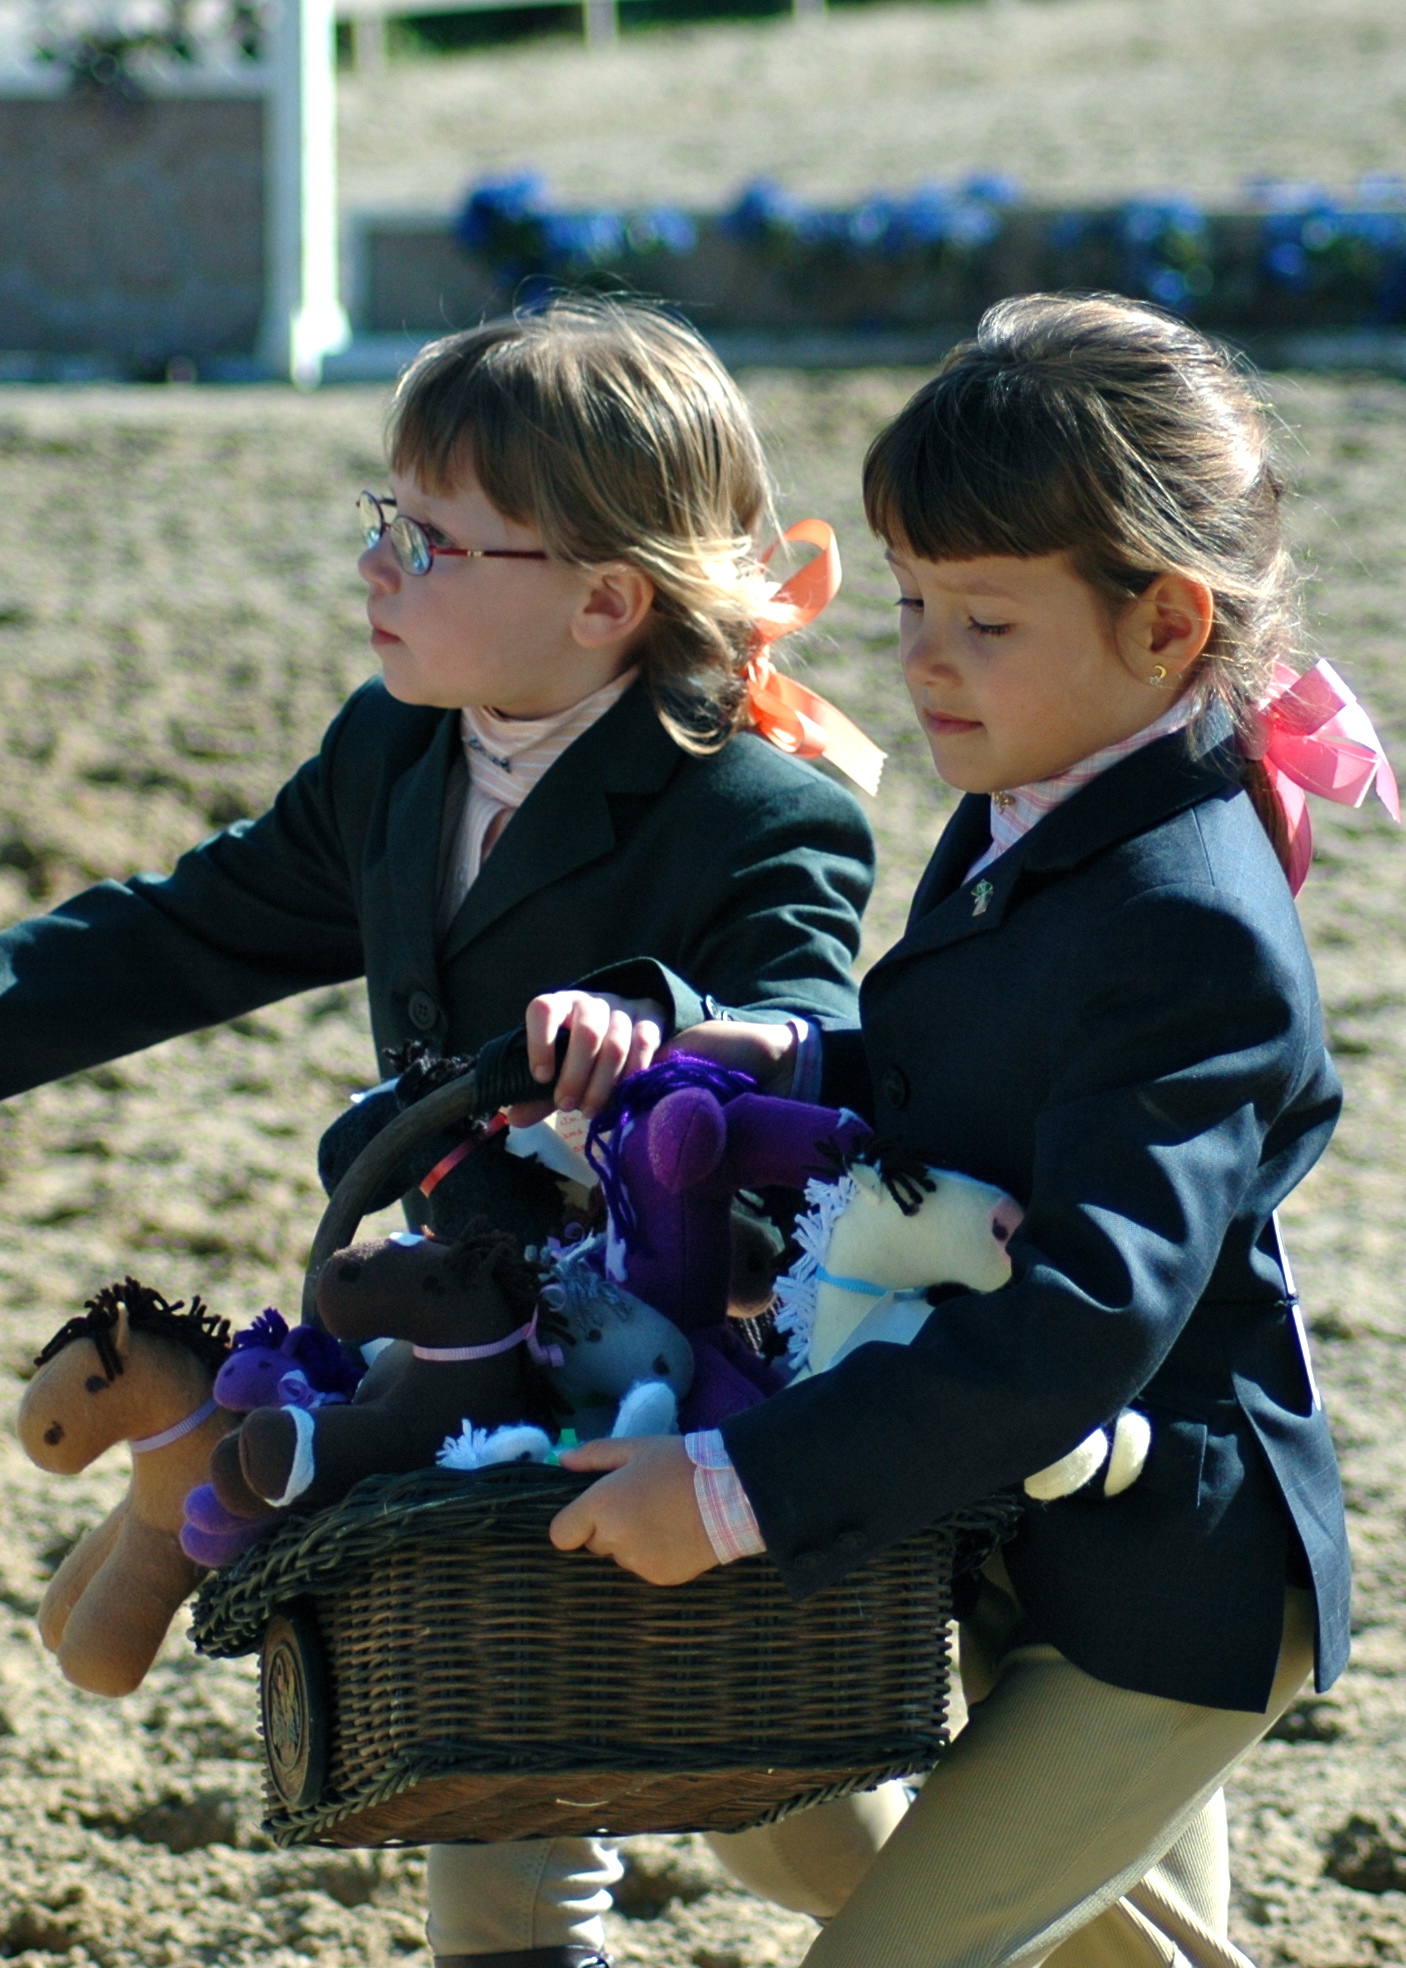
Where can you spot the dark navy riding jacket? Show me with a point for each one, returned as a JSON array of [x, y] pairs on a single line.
[[1119, 1025]]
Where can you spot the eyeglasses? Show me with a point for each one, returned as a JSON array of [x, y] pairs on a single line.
[[413, 548]]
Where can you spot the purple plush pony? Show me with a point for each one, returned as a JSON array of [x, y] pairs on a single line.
[[680, 1139], [270, 1365]]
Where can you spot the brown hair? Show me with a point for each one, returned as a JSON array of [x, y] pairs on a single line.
[[1107, 430], [613, 429]]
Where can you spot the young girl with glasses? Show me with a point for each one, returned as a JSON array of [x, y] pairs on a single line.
[[558, 772], [1102, 1004]]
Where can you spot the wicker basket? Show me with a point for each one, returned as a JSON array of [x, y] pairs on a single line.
[[433, 1670]]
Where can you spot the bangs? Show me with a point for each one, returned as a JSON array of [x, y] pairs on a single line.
[[988, 458], [456, 414]]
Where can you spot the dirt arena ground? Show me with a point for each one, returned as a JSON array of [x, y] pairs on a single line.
[[178, 618]]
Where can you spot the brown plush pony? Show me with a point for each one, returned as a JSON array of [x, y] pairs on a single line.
[[464, 1315], [130, 1368]]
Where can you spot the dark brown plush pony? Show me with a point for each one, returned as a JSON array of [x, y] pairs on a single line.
[[441, 1302]]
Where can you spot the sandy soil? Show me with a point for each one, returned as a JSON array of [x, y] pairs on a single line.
[[1080, 99], [178, 618]]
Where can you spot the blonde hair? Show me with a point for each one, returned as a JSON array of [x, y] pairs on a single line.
[[1107, 430], [612, 429]]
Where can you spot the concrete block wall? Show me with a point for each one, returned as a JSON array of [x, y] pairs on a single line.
[[132, 230]]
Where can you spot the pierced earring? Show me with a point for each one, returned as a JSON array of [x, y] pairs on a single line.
[[1159, 678]]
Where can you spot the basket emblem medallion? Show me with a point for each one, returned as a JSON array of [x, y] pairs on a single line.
[[292, 1696]]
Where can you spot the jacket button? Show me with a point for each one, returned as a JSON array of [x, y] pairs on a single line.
[[424, 1012], [850, 1541], [893, 1082]]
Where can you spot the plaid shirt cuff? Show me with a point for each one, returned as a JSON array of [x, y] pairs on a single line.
[[727, 1516]]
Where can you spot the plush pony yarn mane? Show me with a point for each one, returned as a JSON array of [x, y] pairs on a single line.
[[306, 1346], [576, 1274], [901, 1170], [826, 1202], [639, 1095], [198, 1330], [484, 1251]]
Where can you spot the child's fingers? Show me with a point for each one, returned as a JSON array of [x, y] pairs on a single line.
[[642, 1513], [527, 1113], [610, 1062], [544, 1019], [590, 1022], [607, 1452], [645, 1043]]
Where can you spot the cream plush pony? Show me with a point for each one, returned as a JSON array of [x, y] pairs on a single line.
[[875, 1242]]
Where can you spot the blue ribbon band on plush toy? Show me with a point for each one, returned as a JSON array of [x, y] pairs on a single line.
[[866, 1286]]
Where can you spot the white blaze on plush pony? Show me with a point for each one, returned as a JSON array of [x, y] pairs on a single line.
[[871, 1247]]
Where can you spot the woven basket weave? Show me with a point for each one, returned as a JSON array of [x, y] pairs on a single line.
[[481, 1685]]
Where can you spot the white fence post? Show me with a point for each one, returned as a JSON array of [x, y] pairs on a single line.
[[602, 23], [303, 315]]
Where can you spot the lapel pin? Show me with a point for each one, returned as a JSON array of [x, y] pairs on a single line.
[[981, 897]]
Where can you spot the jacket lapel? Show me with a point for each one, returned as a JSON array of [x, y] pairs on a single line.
[[565, 821], [967, 834], [413, 824], [1131, 797]]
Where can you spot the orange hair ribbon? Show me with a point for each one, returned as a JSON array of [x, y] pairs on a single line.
[[785, 713]]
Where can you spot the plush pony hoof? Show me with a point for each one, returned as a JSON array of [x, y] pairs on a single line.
[[228, 1481], [269, 1440], [214, 1536], [213, 1551]]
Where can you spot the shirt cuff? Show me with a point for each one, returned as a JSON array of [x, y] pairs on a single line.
[[727, 1515], [809, 1062]]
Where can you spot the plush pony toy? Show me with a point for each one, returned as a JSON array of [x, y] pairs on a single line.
[[269, 1365], [130, 1368], [673, 1147], [615, 1364], [885, 1240], [881, 1246], [472, 1170], [466, 1316]]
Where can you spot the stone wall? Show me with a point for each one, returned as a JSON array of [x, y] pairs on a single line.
[[132, 230]]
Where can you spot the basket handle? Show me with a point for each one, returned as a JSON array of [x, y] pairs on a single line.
[[499, 1076]]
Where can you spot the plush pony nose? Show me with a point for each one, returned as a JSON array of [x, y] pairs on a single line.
[[1006, 1219]]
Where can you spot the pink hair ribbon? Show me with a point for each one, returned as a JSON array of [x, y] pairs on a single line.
[[1314, 737], [788, 715]]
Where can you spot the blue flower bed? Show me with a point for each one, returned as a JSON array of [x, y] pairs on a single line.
[[1292, 255]]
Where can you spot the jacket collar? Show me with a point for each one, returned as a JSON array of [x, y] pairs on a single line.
[[566, 820], [1130, 798]]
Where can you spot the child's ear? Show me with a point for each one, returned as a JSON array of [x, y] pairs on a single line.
[[614, 606], [1162, 632], [122, 1331]]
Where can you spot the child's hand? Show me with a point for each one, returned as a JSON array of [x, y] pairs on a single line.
[[610, 1037], [644, 1514]]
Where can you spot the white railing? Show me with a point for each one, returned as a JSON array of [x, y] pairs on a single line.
[[600, 19]]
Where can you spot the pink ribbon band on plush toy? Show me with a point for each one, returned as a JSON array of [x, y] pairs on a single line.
[[525, 1335], [785, 713], [1314, 737], [448, 1163], [175, 1432]]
